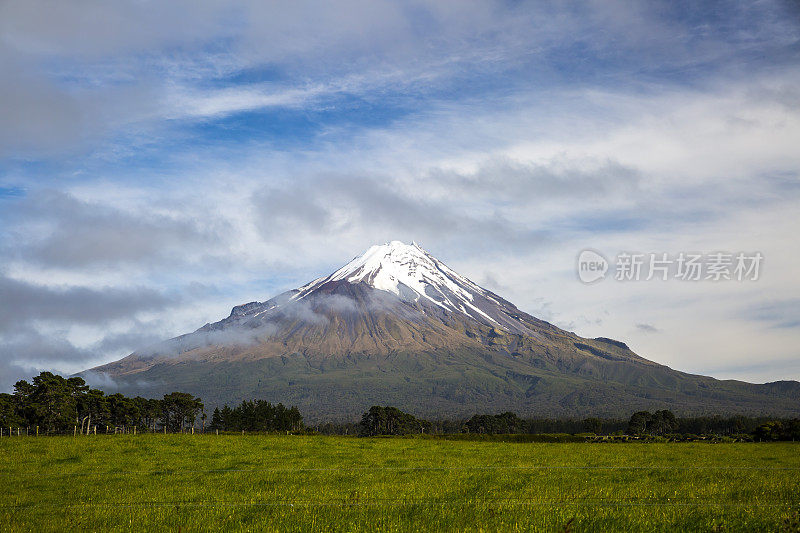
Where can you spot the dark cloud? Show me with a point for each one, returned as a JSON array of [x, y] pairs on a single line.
[[11, 372], [27, 346], [23, 303], [25, 350], [96, 29], [34, 320], [783, 314], [519, 182], [75, 75], [647, 328], [55, 229], [39, 116]]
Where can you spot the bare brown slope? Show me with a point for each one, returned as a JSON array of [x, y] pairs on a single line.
[[343, 318]]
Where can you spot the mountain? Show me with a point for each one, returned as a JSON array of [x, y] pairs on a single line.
[[397, 326]]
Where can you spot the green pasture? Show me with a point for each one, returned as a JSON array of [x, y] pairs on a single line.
[[302, 483]]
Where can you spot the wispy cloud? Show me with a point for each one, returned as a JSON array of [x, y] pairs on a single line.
[[223, 102], [777, 313]]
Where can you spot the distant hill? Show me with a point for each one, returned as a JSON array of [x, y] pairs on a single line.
[[396, 326]]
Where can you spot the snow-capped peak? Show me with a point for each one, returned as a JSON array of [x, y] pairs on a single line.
[[411, 273]]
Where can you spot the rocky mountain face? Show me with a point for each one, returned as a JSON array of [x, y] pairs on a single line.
[[396, 326]]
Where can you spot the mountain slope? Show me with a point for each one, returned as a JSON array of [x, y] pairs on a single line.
[[397, 326]]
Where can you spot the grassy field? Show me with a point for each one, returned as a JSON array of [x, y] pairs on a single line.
[[294, 483]]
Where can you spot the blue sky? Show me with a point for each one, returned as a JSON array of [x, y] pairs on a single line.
[[162, 163]]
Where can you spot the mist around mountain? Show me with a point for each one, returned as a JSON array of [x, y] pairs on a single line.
[[396, 326]]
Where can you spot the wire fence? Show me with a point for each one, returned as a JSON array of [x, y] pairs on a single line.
[[78, 431], [410, 502], [362, 469]]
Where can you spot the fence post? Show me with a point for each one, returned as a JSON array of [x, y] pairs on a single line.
[[134, 430], [17, 432], [165, 429], [192, 430], [74, 431], [37, 431], [217, 432], [95, 430]]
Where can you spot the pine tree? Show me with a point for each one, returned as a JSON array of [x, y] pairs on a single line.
[[216, 420]]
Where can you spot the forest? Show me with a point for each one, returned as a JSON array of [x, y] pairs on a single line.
[[256, 415], [54, 405]]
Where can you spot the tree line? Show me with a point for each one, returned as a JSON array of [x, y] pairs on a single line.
[[256, 415], [664, 422], [57, 405], [392, 421]]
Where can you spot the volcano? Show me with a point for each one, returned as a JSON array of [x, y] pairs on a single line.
[[396, 326]]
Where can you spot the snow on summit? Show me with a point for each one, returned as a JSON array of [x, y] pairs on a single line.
[[412, 277], [396, 267]]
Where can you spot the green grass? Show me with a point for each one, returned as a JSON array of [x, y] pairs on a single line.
[[294, 483]]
